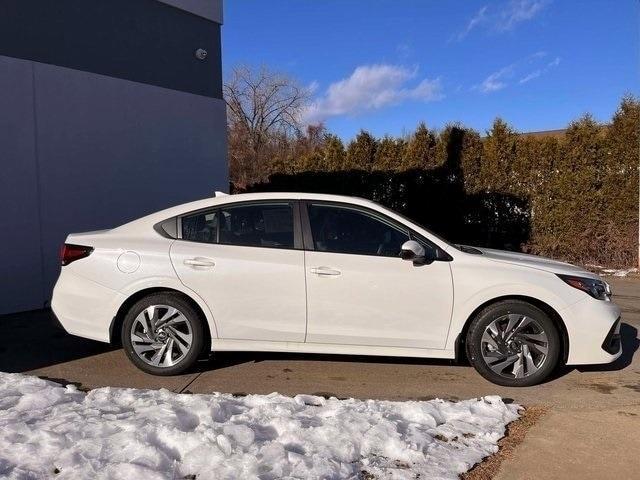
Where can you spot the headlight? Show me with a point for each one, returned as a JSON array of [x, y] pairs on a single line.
[[596, 288]]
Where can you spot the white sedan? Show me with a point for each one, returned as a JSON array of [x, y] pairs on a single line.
[[300, 272]]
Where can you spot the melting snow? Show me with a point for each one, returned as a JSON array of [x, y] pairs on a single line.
[[619, 272], [613, 272], [47, 430]]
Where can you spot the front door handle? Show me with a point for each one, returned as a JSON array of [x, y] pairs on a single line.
[[200, 262], [325, 271]]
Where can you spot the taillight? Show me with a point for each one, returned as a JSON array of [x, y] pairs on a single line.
[[70, 253]]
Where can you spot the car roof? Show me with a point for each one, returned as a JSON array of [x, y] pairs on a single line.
[[240, 197], [255, 196], [144, 225], [290, 196]]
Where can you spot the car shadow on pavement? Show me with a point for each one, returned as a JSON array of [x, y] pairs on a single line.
[[222, 360], [32, 340]]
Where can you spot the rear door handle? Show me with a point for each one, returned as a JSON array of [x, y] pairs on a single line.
[[200, 262], [325, 271]]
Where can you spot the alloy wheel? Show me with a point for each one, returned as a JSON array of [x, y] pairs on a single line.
[[514, 346], [161, 335]]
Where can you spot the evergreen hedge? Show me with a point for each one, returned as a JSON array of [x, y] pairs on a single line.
[[572, 196]]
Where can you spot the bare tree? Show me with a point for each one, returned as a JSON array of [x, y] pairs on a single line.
[[262, 108]]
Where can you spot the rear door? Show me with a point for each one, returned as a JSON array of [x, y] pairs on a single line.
[[246, 261], [360, 292]]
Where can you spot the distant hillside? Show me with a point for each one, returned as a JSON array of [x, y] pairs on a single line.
[[545, 133]]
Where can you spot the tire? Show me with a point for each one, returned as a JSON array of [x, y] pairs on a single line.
[[163, 320], [513, 329]]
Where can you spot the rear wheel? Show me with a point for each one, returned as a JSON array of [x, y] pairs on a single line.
[[162, 334], [513, 343]]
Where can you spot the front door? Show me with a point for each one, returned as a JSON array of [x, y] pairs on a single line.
[[360, 292], [243, 261]]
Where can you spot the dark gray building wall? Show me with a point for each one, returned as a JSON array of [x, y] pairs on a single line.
[[21, 279], [204, 8], [82, 150]]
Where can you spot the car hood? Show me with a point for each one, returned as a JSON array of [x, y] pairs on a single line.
[[534, 261]]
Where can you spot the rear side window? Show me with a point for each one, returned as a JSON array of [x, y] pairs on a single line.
[[348, 230], [200, 227], [258, 225]]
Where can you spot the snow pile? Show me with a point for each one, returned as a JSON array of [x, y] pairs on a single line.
[[619, 272], [51, 431], [613, 272]]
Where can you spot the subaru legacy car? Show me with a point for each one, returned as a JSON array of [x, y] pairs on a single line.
[[297, 272]]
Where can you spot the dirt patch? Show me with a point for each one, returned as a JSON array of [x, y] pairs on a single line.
[[328, 395], [602, 387], [627, 414], [516, 432], [635, 388]]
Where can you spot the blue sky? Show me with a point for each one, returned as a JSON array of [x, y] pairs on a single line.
[[384, 66]]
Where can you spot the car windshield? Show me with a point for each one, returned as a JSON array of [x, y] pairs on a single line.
[[439, 237]]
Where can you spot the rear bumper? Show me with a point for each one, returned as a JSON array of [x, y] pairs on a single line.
[[83, 307], [593, 327]]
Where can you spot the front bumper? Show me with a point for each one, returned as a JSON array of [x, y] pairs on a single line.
[[613, 343], [593, 328]]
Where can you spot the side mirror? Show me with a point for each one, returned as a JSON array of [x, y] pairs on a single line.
[[413, 251]]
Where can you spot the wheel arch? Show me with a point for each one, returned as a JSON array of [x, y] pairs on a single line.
[[460, 351], [116, 323]]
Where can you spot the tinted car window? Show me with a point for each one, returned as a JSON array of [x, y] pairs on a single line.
[[200, 227], [259, 225], [347, 230]]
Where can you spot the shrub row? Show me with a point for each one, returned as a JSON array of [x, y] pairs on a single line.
[[571, 196]]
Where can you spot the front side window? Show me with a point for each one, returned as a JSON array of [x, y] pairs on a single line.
[[347, 230], [258, 225]]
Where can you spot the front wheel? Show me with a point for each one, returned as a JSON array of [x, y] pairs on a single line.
[[513, 343], [162, 334]]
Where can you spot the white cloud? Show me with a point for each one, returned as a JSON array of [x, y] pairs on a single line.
[[479, 18], [530, 76], [496, 81], [540, 71], [519, 11], [501, 78], [554, 63], [313, 87], [504, 18], [372, 87]]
